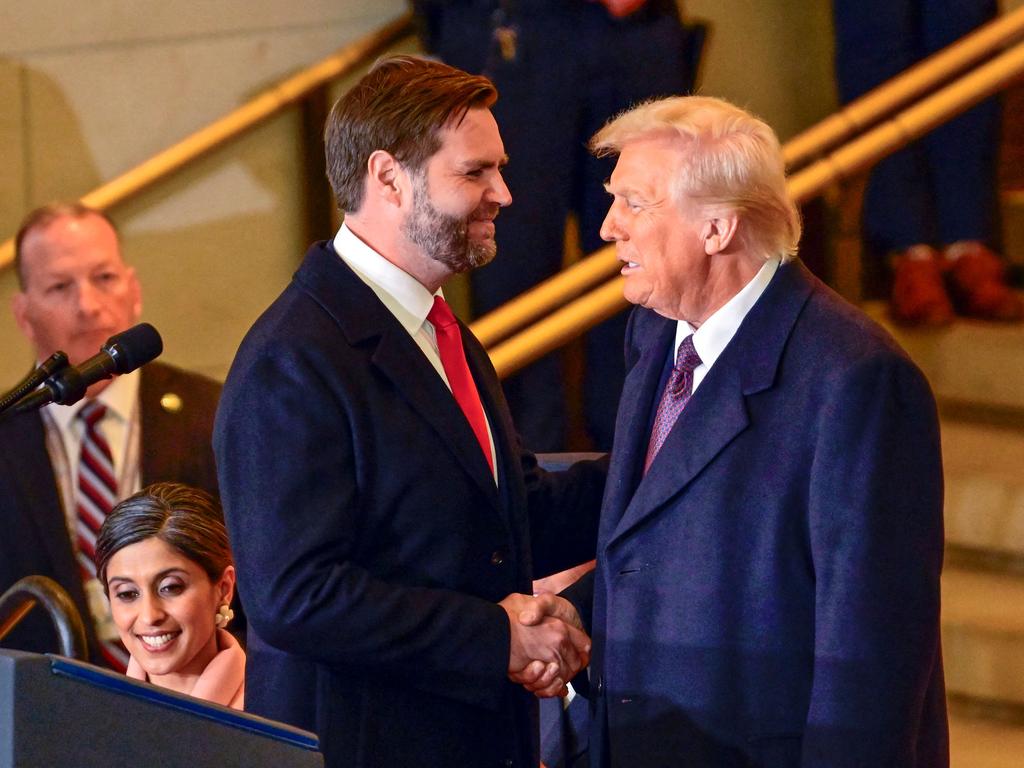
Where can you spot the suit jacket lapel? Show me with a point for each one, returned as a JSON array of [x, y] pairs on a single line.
[[39, 502], [154, 419], [364, 320], [718, 412]]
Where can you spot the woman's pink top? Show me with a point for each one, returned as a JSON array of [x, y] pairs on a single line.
[[223, 680]]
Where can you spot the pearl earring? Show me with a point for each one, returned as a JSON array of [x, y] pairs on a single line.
[[223, 616]]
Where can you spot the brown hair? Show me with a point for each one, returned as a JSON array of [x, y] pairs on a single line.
[[185, 518], [399, 106], [43, 217]]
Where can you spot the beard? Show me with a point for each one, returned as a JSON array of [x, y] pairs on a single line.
[[443, 237]]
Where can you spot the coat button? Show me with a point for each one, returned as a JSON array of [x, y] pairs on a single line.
[[507, 762], [599, 685], [497, 557]]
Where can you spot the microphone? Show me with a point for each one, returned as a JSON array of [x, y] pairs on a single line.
[[123, 353]]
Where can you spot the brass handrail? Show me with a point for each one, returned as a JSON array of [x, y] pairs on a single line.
[[29, 591], [915, 121], [552, 294], [239, 121], [864, 112]]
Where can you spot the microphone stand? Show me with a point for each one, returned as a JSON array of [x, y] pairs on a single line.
[[55, 363]]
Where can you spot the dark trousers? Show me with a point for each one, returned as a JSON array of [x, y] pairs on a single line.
[[942, 188], [574, 68]]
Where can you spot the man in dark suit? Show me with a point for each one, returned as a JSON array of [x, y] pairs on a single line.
[[767, 581], [385, 521], [76, 292]]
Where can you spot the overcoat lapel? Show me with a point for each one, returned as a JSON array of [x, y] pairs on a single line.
[[717, 413], [655, 335], [365, 320]]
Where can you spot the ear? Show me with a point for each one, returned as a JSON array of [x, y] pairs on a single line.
[[20, 307], [718, 232], [226, 585], [385, 178]]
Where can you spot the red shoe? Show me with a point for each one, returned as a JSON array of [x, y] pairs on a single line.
[[918, 292], [977, 283]]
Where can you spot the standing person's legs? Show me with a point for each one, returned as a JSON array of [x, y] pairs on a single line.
[[876, 41], [962, 154]]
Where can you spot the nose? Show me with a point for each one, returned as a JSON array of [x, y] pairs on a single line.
[[88, 298], [610, 229], [499, 191], [151, 611]]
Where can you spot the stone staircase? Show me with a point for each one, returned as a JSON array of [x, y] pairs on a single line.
[[977, 373]]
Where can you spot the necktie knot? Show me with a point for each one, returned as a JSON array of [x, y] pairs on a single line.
[[441, 315], [687, 361]]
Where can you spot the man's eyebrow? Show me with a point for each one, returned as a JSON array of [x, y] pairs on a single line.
[[472, 165]]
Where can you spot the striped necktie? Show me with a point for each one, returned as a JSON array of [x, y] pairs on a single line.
[[97, 495]]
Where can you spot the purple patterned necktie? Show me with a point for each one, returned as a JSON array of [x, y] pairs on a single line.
[[674, 398]]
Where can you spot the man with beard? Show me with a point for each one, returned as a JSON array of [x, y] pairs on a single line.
[[384, 519]]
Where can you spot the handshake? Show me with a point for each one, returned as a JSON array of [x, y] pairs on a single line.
[[548, 645]]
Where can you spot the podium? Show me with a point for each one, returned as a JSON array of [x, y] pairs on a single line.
[[59, 712]]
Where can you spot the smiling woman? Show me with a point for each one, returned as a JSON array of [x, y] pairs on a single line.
[[163, 557]]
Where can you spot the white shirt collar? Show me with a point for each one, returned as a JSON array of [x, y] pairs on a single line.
[[714, 335], [399, 291], [120, 397]]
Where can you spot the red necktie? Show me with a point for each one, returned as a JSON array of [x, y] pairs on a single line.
[[97, 495], [453, 359], [674, 399]]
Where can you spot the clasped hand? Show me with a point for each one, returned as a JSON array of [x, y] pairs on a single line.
[[548, 645]]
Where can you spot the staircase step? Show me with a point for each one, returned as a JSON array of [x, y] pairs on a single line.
[[983, 636], [980, 743], [984, 475], [967, 362]]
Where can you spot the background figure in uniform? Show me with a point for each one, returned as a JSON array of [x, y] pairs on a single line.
[[934, 205], [153, 424], [563, 67]]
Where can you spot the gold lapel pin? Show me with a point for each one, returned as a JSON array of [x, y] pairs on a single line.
[[171, 402]]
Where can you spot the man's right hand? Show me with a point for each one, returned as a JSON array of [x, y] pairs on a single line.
[[548, 644]]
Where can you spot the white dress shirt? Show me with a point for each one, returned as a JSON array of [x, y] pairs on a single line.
[[406, 298], [120, 427], [714, 335]]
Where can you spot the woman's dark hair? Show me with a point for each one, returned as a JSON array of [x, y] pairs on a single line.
[[185, 518]]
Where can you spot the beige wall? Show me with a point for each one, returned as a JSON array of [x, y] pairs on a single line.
[[90, 89], [773, 57]]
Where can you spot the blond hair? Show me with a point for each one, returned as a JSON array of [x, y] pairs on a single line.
[[731, 159]]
